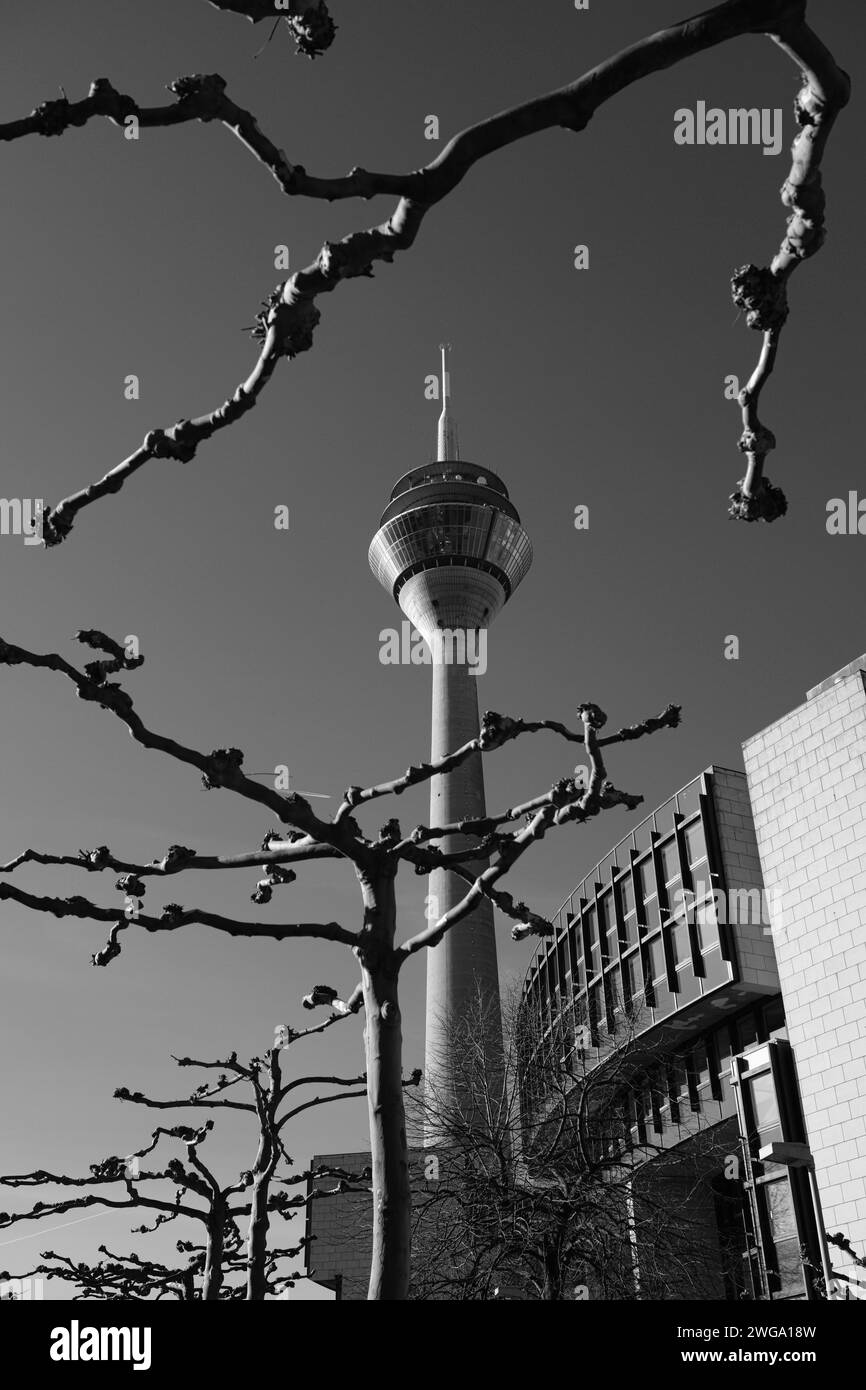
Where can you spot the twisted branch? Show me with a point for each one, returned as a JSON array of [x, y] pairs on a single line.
[[558, 808], [763, 292], [496, 730], [173, 916], [221, 768], [290, 314], [172, 862]]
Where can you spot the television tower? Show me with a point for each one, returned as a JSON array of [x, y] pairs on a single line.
[[451, 550]]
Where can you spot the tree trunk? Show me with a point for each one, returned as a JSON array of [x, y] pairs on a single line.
[[553, 1280], [257, 1240], [383, 1045], [213, 1266]]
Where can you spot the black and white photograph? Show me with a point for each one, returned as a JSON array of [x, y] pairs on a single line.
[[433, 676]]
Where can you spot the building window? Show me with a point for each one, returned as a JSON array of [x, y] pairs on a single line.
[[607, 928], [643, 836], [696, 843], [716, 970], [783, 1217], [580, 978], [681, 947], [702, 886], [670, 861], [597, 1017], [679, 1084], [724, 1052], [765, 1108], [632, 977], [641, 1113], [549, 985], [657, 975], [658, 1100], [689, 987], [606, 868], [563, 966], [583, 1032], [613, 997], [689, 799], [778, 1206], [573, 950], [625, 893], [591, 947], [700, 1064], [648, 907]]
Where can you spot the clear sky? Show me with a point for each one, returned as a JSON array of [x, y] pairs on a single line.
[[602, 387]]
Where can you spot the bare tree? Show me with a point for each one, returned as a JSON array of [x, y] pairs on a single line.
[[126, 1277], [275, 1104], [130, 1278], [124, 1177], [224, 1251], [532, 1186], [289, 315], [376, 863]]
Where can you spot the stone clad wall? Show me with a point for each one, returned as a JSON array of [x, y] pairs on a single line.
[[807, 781], [747, 909]]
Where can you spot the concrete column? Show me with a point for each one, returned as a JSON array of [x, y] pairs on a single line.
[[465, 961]]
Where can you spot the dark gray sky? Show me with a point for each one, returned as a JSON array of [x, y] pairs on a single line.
[[602, 387]]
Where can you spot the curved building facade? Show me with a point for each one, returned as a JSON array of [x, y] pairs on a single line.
[[664, 955]]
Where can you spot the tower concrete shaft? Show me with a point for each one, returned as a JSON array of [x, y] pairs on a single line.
[[462, 971], [451, 550]]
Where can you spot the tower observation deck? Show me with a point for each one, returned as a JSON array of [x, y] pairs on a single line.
[[451, 550]]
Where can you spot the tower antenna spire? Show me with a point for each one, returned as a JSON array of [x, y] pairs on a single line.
[[448, 449]]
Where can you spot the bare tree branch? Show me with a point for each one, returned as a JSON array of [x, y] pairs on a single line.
[[119, 1276], [137, 1098], [496, 730], [173, 916], [562, 806], [290, 315], [411, 1081], [763, 292], [221, 768], [310, 25], [176, 859]]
